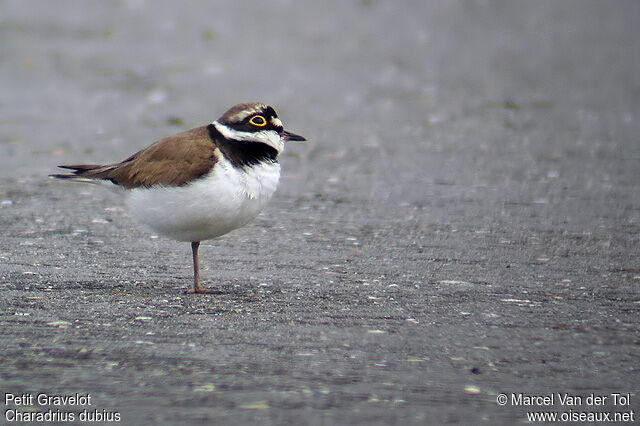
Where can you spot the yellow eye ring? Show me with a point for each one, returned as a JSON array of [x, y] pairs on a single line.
[[258, 120]]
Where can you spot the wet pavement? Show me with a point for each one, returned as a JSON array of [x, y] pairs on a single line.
[[464, 221]]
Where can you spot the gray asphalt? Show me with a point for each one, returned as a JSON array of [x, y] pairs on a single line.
[[464, 221]]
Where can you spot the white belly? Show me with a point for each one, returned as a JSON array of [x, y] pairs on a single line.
[[226, 199]]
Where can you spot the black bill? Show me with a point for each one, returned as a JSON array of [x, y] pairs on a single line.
[[288, 136]]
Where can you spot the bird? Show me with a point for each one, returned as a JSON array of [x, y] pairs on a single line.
[[201, 183]]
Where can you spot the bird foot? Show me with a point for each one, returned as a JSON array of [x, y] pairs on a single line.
[[200, 290]]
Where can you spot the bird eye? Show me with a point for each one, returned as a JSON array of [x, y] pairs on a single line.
[[258, 120]]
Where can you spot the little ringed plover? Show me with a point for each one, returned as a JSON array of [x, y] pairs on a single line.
[[202, 183]]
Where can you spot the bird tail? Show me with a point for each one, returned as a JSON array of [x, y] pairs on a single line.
[[85, 172]]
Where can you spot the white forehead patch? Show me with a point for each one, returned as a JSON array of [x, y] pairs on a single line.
[[276, 122]]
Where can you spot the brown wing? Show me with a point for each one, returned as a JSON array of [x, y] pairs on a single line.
[[171, 161]]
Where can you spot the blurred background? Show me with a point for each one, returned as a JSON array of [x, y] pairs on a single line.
[[93, 81]]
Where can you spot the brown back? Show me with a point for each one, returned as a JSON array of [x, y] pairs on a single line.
[[171, 161]]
